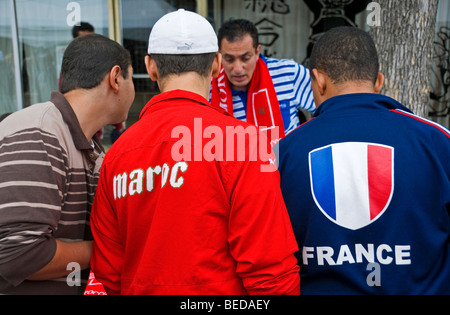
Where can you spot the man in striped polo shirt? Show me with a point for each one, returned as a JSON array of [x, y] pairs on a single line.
[[263, 91], [49, 167]]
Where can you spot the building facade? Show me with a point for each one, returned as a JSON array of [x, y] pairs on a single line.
[[34, 34]]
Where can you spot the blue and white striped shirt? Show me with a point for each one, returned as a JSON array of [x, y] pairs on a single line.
[[293, 87]]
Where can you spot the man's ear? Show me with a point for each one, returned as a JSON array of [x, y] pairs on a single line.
[[114, 78], [320, 81], [258, 50], [152, 69], [217, 65], [379, 83]]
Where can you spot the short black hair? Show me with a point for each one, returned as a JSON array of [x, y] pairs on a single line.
[[346, 54], [178, 64], [236, 29], [82, 26], [88, 59]]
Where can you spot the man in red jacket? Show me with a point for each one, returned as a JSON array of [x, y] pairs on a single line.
[[188, 202]]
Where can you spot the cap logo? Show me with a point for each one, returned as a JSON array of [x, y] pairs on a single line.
[[185, 47]]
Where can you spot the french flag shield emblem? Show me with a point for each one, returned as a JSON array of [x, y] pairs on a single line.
[[352, 183]]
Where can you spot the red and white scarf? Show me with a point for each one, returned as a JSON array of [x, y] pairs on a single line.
[[263, 108]]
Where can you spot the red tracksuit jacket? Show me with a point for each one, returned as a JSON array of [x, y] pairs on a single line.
[[193, 226]]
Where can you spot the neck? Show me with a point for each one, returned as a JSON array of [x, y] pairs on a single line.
[[85, 104], [353, 87], [241, 89], [189, 81]]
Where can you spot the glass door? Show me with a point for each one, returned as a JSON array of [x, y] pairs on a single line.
[[8, 93], [45, 29], [137, 19]]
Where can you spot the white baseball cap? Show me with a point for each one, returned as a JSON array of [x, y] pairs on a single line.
[[182, 33]]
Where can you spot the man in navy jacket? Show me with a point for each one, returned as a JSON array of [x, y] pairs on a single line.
[[366, 182]]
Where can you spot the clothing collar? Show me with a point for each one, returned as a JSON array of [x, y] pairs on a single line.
[[177, 94], [263, 58], [351, 102], [70, 118], [241, 94]]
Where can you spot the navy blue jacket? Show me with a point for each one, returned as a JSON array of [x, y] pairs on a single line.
[[367, 187]]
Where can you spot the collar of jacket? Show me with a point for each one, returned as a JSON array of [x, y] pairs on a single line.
[[358, 101], [180, 95]]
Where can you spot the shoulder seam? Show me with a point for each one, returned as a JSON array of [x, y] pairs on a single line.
[[423, 120]]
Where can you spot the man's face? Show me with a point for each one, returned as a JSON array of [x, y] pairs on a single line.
[[239, 61], [82, 33]]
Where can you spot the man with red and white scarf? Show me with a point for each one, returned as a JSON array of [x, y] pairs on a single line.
[[263, 91]]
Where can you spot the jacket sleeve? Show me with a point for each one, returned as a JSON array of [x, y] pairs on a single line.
[[260, 233], [107, 248]]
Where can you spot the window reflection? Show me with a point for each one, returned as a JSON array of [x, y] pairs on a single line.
[[8, 100], [43, 35], [137, 20]]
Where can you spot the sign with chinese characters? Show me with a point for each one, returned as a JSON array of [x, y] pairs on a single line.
[[283, 25], [289, 28]]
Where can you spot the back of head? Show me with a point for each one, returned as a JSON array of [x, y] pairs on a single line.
[[82, 27], [183, 41], [346, 54], [88, 59], [235, 29]]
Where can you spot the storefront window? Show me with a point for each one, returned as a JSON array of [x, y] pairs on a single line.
[[137, 20], [35, 33], [45, 29], [8, 99]]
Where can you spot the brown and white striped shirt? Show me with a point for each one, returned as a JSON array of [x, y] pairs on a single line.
[[48, 177]]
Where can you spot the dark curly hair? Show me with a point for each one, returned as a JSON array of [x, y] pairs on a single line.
[[346, 54], [88, 59], [235, 29]]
